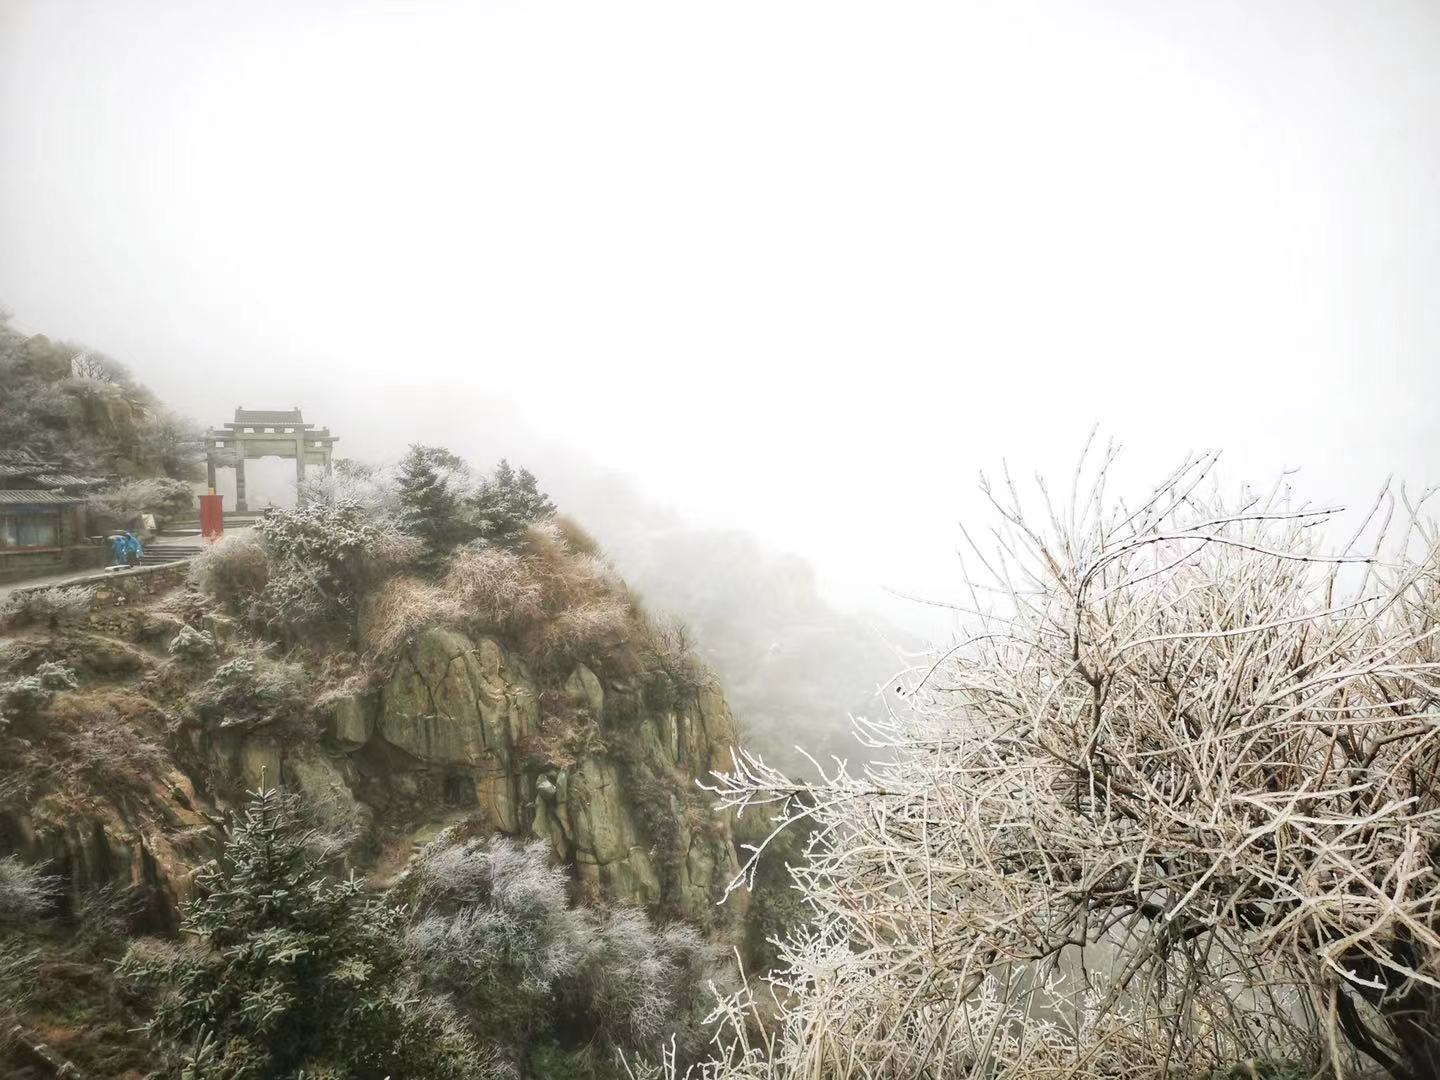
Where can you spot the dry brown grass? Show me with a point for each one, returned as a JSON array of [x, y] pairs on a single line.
[[591, 624], [497, 588], [545, 598], [554, 599], [573, 535], [404, 607], [563, 736], [108, 739]]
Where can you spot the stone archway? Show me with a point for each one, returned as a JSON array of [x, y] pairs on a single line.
[[261, 433]]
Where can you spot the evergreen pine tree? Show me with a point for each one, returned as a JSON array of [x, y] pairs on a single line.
[[430, 508], [299, 973], [506, 502]]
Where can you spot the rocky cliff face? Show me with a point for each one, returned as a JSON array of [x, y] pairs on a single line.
[[458, 733], [598, 760]]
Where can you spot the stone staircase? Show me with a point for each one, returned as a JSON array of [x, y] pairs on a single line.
[[182, 540], [164, 549]]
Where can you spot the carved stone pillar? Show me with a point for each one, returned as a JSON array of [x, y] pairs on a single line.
[[240, 503]]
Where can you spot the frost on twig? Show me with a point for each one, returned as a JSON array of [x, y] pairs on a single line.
[[1171, 802]]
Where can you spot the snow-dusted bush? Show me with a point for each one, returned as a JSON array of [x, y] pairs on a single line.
[[587, 625], [1169, 804], [354, 482], [558, 602], [253, 690], [192, 644], [495, 921], [323, 556], [668, 648], [57, 675], [233, 569], [26, 893], [639, 981], [25, 889], [494, 930], [59, 604], [25, 697]]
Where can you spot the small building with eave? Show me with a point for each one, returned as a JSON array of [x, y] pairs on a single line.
[[43, 518]]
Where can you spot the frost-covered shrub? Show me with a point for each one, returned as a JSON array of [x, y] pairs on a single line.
[[57, 675], [669, 651], [59, 604], [554, 602], [23, 698], [192, 644], [323, 556], [106, 916], [588, 625], [637, 981], [373, 487], [233, 569], [330, 539], [25, 890], [238, 672], [495, 932], [252, 690], [17, 985], [573, 535], [279, 683]]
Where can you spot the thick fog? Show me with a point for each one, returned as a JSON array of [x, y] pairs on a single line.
[[799, 269]]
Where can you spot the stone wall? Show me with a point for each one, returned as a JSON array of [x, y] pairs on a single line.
[[126, 586]]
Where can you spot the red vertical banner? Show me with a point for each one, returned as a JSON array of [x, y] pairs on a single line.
[[212, 516]]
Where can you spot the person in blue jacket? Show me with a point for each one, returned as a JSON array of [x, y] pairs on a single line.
[[119, 549], [133, 549]]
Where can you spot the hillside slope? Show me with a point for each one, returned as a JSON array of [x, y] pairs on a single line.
[[177, 710]]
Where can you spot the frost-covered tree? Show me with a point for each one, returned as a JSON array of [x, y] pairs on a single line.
[[69, 403], [506, 502], [318, 555], [431, 500], [1170, 803], [294, 972], [156, 494]]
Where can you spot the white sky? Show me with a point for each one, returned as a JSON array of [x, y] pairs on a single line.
[[798, 267]]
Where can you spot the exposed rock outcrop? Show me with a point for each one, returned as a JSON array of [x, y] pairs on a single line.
[[454, 726], [599, 759], [152, 842]]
